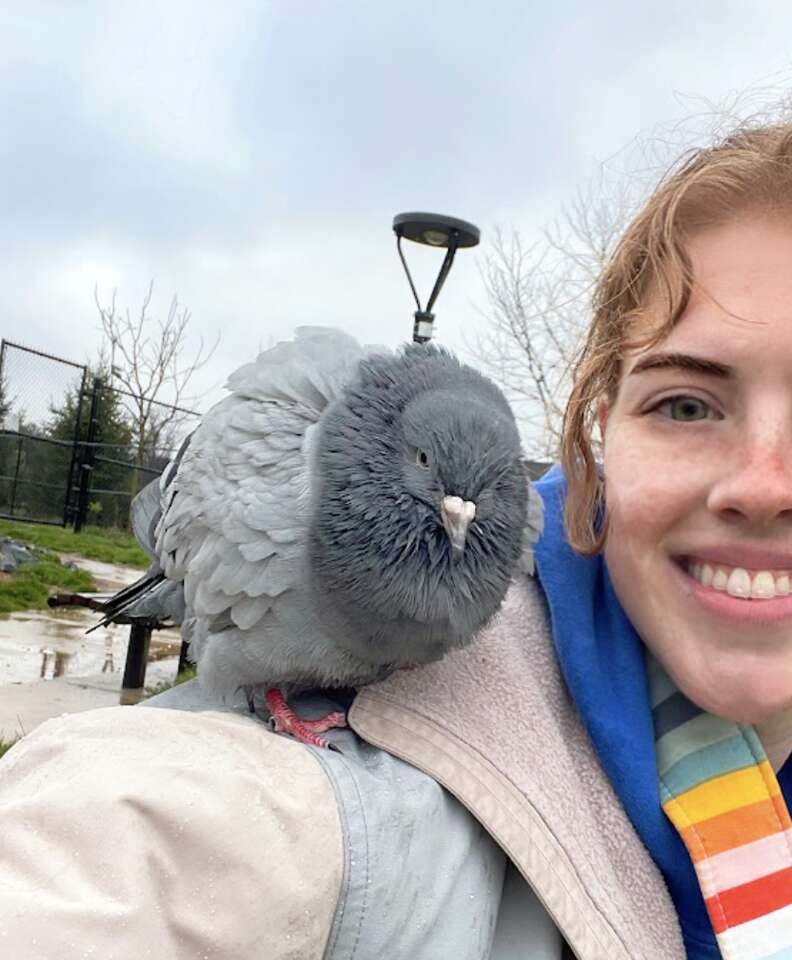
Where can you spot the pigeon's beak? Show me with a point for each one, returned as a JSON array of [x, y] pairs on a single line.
[[456, 515]]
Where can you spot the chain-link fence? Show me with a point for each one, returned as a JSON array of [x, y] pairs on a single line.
[[74, 449], [40, 398], [126, 441]]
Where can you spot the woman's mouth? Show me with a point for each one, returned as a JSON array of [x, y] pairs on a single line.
[[738, 594], [740, 582]]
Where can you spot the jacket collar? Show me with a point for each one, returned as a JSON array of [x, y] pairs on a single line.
[[494, 723]]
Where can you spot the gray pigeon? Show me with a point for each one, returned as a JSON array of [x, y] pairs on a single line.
[[345, 512]]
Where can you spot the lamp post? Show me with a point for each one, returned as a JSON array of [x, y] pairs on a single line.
[[433, 230]]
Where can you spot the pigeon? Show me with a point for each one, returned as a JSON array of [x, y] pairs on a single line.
[[345, 512]]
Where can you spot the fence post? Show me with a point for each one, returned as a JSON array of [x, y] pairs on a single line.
[[4, 398], [16, 477], [69, 507], [88, 457]]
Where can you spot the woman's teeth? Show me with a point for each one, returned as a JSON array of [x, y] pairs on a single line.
[[738, 582]]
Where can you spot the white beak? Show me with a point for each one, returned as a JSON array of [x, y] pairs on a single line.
[[456, 515]]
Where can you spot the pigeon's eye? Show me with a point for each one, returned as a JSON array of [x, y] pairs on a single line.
[[422, 459]]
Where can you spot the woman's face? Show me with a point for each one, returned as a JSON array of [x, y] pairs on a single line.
[[698, 478]]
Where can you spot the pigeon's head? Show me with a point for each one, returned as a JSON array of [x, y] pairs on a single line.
[[421, 498]]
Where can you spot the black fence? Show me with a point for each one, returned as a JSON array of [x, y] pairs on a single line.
[[72, 449]]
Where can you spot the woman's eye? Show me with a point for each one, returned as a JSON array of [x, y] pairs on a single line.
[[686, 409], [422, 459]]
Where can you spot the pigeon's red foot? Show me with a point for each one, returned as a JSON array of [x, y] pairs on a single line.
[[306, 731]]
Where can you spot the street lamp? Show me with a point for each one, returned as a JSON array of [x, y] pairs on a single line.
[[434, 230]]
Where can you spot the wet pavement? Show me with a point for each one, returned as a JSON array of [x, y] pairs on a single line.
[[81, 670], [43, 644]]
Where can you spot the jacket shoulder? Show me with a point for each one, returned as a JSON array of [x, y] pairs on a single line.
[[208, 834], [166, 832]]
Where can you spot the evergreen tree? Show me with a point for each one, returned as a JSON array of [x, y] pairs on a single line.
[[111, 483]]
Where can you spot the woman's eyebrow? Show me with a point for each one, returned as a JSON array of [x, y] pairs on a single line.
[[683, 361]]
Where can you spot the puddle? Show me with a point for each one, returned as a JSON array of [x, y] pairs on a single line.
[[41, 644], [37, 645]]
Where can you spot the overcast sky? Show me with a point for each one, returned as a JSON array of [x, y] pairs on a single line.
[[250, 156]]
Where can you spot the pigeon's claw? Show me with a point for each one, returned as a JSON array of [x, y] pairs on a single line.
[[286, 720], [330, 721]]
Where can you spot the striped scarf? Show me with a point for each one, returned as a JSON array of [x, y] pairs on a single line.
[[719, 790]]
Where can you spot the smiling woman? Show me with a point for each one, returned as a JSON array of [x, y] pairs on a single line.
[[688, 372], [700, 428]]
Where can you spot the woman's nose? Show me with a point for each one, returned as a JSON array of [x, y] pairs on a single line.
[[757, 483]]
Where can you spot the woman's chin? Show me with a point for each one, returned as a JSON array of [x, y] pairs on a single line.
[[748, 698]]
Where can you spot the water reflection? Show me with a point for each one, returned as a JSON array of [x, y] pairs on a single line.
[[107, 666], [53, 663], [38, 644]]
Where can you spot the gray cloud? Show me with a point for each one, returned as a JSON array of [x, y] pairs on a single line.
[[251, 155]]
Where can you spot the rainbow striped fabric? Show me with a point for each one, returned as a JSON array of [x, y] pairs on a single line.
[[719, 790]]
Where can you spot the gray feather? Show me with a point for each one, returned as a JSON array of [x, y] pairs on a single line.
[[151, 596], [534, 525]]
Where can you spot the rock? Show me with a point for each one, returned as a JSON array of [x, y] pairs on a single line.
[[21, 553], [13, 555]]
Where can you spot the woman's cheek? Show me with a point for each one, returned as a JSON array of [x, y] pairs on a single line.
[[651, 481], [638, 484]]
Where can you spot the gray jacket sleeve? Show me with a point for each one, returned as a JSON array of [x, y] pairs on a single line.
[[420, 878]]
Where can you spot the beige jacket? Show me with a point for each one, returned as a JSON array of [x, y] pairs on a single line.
[[193, 833]]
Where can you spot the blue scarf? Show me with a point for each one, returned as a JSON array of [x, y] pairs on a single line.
[[602, 661]]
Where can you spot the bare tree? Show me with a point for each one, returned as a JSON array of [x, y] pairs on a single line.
[[538, 299], [147, 363]]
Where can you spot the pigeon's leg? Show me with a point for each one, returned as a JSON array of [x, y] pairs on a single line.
[[306, 731]]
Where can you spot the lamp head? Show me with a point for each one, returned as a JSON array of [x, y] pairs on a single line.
[[433, 230]]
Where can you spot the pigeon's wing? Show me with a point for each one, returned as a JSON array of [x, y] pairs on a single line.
[[152, 595], [234, 528], [534, 525]]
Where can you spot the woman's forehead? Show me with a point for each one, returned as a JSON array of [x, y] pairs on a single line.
[[714, 341], [743, 259], [741, 301]]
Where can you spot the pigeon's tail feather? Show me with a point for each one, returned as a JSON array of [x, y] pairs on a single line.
[[120, 602], [163, 600], [152, 596]]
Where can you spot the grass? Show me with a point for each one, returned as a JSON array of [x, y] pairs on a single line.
[[29, 587], [188, 674], [5, 746], [94, 543]]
